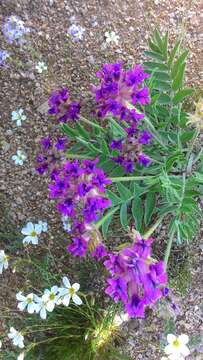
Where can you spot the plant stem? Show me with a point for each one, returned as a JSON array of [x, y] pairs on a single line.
[[100, 222], [91, 123], [168, 249], [132, 178], [77, 156], [150, 231]]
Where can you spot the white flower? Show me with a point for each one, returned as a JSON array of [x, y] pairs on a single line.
[[19, 157], [21, 356], [31, 231], [69, 292], [44, 225], [3, 261], [76, 32], [173, 357], [0, 344], [16, 337], [66, 223], [48, 301], [18, 116], [26, 302], [177, 346], [112, 37], [40, 67]]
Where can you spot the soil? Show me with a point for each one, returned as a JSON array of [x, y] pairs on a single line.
[[24, 195]]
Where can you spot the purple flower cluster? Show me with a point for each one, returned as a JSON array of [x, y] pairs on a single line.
[[136, 279], [14, 30], [4, 55], [79, 192], [61, 107], [50, 155], [128, 151], [118, 88]]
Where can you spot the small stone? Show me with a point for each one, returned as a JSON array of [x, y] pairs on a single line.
[[43, 108]]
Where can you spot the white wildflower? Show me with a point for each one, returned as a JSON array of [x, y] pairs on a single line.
[[18, 116], [76, 32], [26, 302], [44, 225], [31, 231], [50, 298], [19, 157], [177, 346], [16, 337], [66, 223], [21, 356], [112, 37], [3, 261], [41, 67], [69, 292]]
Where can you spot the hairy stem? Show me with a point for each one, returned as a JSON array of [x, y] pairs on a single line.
[[131, 178], [91, 123], [111, 212]]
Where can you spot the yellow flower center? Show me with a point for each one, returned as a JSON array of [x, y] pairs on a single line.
[[176, 343], [71, 291], [33, 233], [29, 300], [52, 296]]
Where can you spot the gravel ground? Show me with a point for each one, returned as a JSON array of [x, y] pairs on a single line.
[[74, 65]]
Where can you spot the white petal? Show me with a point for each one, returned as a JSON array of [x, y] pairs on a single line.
[[27, 229], [66, 300], [31, 308], [76, 286], [76, 299], [34, 240], [185, 350], [54, 289], [43, 313], [50, 306], [22, 305], [20, 297], [169, 349], [184, 339], [38, 228], [27, 239], [66, 282], [171, 338], [21, 356]]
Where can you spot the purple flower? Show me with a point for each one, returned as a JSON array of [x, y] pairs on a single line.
[[129, 166], [4, 55], [143, 160], [116, 144], [78, 247], [14, 30], [76, 32], [99, 252], [46, 143], [142, 97], [136, 279], [61, 108], [117, 289], [60, 144], [145, 138]]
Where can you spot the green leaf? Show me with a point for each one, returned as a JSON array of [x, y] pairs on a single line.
[[82, 132], [105, 226], [180, 95], [178, 81], [149, 207], [160, 75], [104, 147], [170, 161], [165, 44], [124, 215], [113, 197], [154, 47], [124, 192], [164, 99], [187, 136], [117, 130], [69, 131], [162, 85], [88, 145], [158, 39], [137, 212], [179, 62], [155, 65], [173, 53], [154, 55]]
